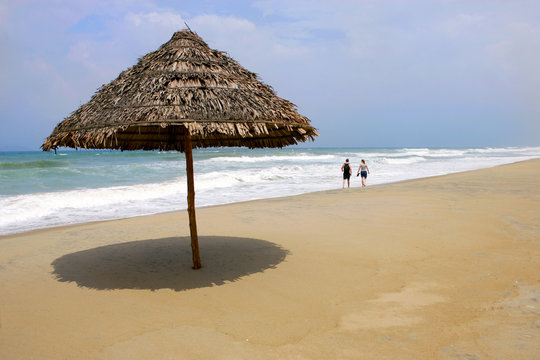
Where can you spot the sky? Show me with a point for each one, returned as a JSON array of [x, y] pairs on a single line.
[[367, 73]]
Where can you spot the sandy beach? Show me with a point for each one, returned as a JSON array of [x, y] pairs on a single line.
[[439, 268]]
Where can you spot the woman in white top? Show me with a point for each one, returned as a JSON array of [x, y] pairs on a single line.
[[363, 170]]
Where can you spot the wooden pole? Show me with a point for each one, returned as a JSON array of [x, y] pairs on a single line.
[[191, 202]]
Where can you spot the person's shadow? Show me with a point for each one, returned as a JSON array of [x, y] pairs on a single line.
[[166, 263]]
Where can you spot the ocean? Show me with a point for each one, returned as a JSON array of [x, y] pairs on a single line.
[[40, 190]]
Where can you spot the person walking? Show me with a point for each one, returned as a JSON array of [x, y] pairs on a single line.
[[363, 170], [346, 169]]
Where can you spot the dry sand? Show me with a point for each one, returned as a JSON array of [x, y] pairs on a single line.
[[438, 268]]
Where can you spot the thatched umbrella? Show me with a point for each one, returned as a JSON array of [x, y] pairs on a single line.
[[183, 96]]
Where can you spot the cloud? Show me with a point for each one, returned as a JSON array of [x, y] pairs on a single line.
[[517, 53], [129, 37], [3, 13], [37, 66], [463, 25], [227, 24], [82, 53], [166, 20], [257, 47], [244, 39]]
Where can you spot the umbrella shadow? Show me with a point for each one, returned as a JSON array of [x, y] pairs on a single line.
[[166, 263]]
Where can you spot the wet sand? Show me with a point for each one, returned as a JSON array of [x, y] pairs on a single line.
[[438, 268]]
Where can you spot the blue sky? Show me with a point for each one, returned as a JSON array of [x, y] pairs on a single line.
[[367, 73]]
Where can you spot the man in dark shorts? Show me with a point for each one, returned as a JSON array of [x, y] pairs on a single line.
[[346, 169]]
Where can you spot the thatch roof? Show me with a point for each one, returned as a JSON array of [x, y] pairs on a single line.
[[183, 85]]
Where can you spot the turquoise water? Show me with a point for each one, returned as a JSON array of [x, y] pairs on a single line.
[[40, 189]]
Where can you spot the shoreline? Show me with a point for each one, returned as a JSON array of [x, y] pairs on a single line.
[[247, 201], [442, 267]]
